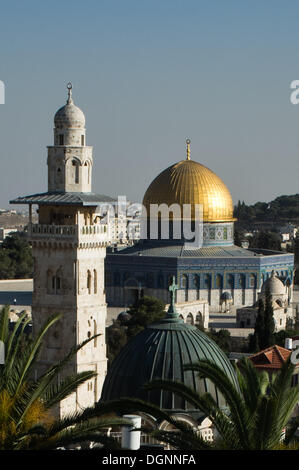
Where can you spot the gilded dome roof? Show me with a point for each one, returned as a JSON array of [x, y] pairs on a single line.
[[159, 352], [69, 116], [189, 182]]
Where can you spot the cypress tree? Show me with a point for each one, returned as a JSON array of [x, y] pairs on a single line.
[[257, 339], [264, 329], [269, 325]]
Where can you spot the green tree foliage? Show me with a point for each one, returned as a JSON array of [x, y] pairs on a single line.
[[280, 210], [222, 338], [269, 328], [116, 338], [263, 336], [147, 310], [280, 336], [26, 405], [7, 269], [265, 240], [16, 257], [256, 339], [237, 237]]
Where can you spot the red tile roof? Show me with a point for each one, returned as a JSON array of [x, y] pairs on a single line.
[[270, 358]]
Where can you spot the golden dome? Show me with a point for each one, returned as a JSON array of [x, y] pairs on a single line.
[[189, 182]]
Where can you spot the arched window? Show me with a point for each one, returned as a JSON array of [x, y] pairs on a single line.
[[199, 318], [184, 285], [54, 282], [189, 319], [49, 281], [58, 175], [207, 281], [230, 281], [184, 281], [87, 172], [252, 280], [242, 281], [95, 281], [219, 281], [76, 175], [59, 276], [196, 281], [89, 282]]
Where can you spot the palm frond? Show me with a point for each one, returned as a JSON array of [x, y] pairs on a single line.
[[31, 352], [238, 410], [56, 392], [46, 379], [4, 323]]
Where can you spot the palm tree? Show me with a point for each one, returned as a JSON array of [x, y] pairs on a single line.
[[257, 413], [26, 421]]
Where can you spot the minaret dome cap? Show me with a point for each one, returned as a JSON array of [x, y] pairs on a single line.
[[69, 116]]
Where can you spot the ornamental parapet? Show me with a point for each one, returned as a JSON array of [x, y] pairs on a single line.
[[71, 233]]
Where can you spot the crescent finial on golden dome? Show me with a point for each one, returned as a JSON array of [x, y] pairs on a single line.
[[188, 142]]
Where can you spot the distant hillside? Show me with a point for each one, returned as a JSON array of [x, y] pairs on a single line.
[[15, 220], [282, 210]]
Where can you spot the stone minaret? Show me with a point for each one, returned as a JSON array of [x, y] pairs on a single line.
[[70, 159], [69, 248]]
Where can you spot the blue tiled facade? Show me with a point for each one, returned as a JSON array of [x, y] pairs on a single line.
[[246, 271]]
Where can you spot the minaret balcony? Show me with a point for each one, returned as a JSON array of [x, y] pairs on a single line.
[[70, 233]]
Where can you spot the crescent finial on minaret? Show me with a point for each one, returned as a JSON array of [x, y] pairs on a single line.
[[69, 87]]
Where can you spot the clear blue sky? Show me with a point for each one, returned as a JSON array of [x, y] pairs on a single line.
[[148, 74]]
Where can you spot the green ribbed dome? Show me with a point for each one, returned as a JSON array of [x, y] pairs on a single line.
[[159, 352]]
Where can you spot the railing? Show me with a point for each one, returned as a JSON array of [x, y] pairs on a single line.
[[144, 439], [83, 234], [56, 230], [93, 229]]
